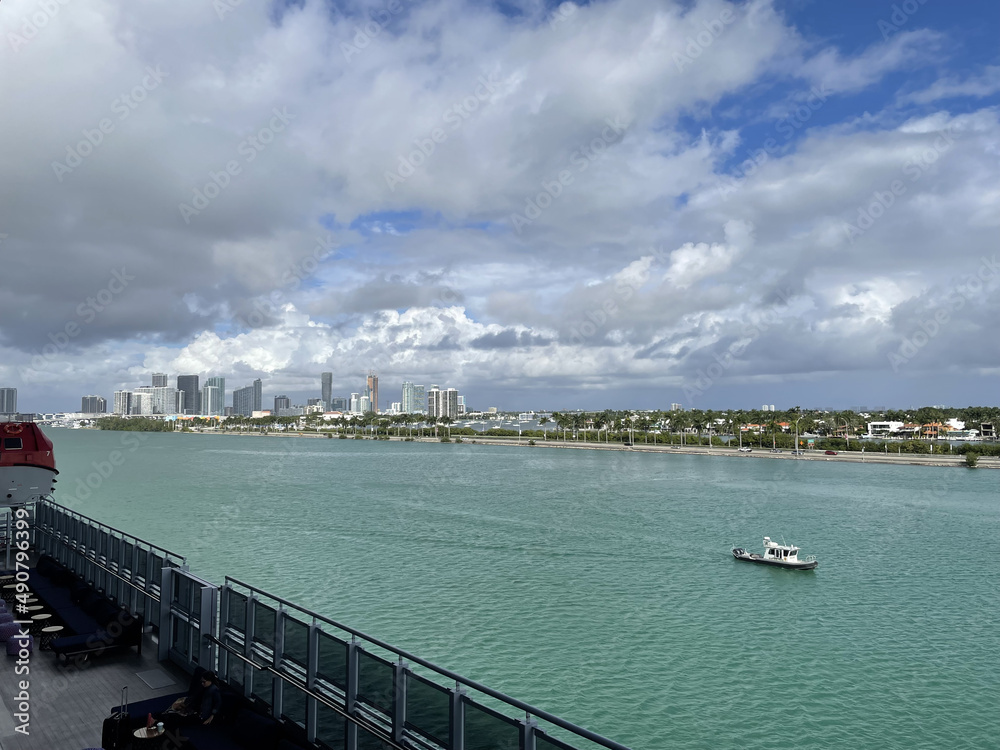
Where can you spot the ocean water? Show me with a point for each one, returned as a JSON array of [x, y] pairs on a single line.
[[599, 586]]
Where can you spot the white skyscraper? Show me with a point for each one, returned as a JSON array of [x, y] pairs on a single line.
[[213, 401], [442, 403], [414, 399], [123, 402]]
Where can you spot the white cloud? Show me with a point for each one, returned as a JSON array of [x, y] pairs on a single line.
[[692, 262], [459, 295], [978, 86]]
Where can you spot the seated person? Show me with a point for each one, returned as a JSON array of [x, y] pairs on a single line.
[[200, 706], [211, 698]]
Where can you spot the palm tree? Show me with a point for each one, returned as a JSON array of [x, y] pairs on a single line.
[[644, 424], [698, 422], [563, 421], [541, 423], [677, 422]]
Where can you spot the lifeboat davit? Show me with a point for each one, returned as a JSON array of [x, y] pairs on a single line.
[[27, 464]]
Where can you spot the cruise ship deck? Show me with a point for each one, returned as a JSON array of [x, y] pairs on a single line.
[[305, 679]]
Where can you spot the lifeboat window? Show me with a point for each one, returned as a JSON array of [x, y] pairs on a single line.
[[12, 444]]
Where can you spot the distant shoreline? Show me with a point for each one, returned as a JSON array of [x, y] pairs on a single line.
[[856, 457]]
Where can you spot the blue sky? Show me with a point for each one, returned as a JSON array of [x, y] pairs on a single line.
[[613, 204]]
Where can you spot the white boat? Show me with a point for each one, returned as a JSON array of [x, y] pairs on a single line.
[[778, 555]]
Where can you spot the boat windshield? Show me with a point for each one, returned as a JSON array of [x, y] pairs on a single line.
[[12, 444]]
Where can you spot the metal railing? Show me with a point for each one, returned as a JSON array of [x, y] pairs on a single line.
[[375, 686], [343, 688], [125, 567]]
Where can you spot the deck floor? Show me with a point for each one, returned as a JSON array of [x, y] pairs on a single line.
[[69, 704]]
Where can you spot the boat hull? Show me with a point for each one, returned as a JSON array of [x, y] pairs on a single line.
[[761, 560], [25, 484]]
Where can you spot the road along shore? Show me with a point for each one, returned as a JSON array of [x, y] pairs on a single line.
[[857, 457]]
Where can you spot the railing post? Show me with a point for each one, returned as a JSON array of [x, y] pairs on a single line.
[[166, 595], [399, 700], [222, 626], [528, 727], [250, 672], [207, 627], [278, 686], [312, 667], [457, 718], [351, 697]]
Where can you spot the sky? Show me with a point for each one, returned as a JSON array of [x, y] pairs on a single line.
[[620, 204]]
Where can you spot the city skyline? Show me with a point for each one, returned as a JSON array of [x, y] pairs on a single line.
[[627, 204]]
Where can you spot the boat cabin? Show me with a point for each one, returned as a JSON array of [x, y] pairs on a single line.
[[782, 552], [24, 444]]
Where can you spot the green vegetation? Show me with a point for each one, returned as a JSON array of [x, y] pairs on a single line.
[[134, 424], [972, 459], [757, 429]]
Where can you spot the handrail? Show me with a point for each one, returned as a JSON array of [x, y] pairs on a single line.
[[527, 707], [106, 569], [97, 523], [367, 726]]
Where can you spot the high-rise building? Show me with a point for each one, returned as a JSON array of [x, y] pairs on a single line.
[[414, 399], [219, 383], [247, 400], [461, 404], [123, 402], [94, 405], [326, 385], [442, 403], [281, 402], [371, 391], [142, 402], [8, 400], [159, 380], [188, 384], [157, 400], [338, 404], [354, 406], [212, 400]]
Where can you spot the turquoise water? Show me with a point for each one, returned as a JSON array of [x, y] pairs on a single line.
[[599, 586]]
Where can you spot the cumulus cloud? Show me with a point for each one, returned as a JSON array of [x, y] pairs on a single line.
[[349, 197], [693, 262]]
